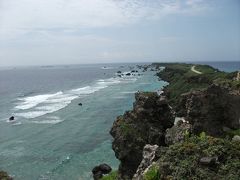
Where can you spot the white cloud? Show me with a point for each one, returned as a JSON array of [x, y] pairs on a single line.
[[28, 14], [33, 30]]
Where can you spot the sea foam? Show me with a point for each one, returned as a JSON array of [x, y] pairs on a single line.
[[35, 106]]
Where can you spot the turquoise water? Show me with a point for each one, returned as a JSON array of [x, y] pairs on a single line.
[[53, 137]]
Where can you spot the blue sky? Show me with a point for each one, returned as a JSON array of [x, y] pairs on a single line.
[[102, 31]]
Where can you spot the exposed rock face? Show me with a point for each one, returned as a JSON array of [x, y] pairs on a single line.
[[177, 133], [98, 171], [212, 109], [145, 124], [149, 152]]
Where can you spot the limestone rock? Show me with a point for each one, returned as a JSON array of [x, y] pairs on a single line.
[[212, 110], [236, 138], [149, 152], [177, 133]]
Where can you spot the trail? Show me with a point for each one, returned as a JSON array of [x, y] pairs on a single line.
[[194, 70]]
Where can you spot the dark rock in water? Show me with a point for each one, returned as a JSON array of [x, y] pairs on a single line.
[[128, 74], [98, 175], [80, 104], [99, 171], [145, 124], [5, 176], [211, 110], [208, 161], [119, 75], [134, 71], [11, 118], [119, 72]]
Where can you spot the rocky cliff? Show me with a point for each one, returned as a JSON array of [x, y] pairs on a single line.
[[149, 145], [212, 110], [145, 124]]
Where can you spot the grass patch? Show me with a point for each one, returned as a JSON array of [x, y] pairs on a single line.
[[152, 173], [232, 133], [182, 159], [182, 80], [111, 176]]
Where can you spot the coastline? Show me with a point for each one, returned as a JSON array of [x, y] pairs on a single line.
[[144, 106], [207, 84]]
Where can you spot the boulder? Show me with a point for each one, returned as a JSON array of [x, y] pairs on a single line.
[[128, 74], [80, 104], [11, 118], [4, 176], [236, 138], [208, 161], [100, 170]]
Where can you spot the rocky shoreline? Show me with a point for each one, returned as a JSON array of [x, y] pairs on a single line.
[[206, 145]]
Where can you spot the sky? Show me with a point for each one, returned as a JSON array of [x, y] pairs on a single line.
[[48, 32]]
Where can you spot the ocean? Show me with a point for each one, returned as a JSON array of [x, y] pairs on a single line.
[[52, 137]]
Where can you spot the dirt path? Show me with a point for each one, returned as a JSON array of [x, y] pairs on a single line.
[[194, 70]]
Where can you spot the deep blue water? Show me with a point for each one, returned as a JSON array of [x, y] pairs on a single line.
[[54, 138]]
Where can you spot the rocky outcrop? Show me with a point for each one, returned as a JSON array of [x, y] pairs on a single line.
[[99, 171], [212, 110], [145, 124], [149, 154], [177, 133]]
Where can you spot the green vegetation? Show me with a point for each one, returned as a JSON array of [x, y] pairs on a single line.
[[182, 79], [126, 128], [232, 133], [129, 131], [181, 160], [148, 94], [111, 176], [152, 173]]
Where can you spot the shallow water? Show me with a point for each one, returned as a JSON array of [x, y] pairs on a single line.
[[54, 138]]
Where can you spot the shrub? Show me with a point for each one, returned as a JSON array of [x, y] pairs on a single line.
[[111, 176]]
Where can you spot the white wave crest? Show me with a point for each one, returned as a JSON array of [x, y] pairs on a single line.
[[32, 101], [39, 105]]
